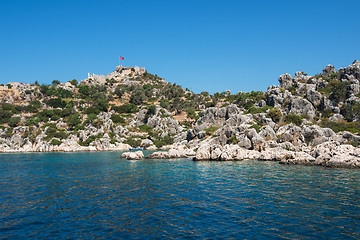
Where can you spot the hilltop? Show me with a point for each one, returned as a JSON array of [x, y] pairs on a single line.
[[304, 120]]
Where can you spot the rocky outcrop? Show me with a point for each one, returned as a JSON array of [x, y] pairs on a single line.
[[350, 72], [314, 97], [228, 152], [133, 155], [161, 121], [301, 106], [277, 97], [172, 153], [283, 155], [331, 154], [285, 81], [214, 117], [328, 70]]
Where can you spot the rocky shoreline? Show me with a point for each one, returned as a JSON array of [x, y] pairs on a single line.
[[309, 120]]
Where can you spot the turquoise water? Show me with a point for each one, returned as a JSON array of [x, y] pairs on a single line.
[[100, 196]]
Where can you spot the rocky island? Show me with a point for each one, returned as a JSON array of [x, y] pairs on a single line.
[[312, 120]]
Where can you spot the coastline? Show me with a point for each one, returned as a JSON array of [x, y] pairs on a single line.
[[328, 154], [309, 120]]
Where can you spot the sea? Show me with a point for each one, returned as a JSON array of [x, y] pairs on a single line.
[[99, 195]]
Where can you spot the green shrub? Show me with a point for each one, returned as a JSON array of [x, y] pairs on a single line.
[[292, 89], [336, 90], [255, 110], [191, 113], [8, 132], [55, 142], [55, 82], [233, 140], [210, 104], [164, 103], [151, 110], [350, 111], [74, 82], [90, 118], [92, 110], [145, 128], [117, 119], [56, 103], [204, 93], [340, 126], [101, 104], [33, 120], [119, 91], [326, 113], [167, 140], [11, 108], [5, 116], [126, 108], [187, 125], [54, 133], [89, 140], [355, 144], [79, 127], [14, 121], [293, 118], [133, 142], [275, 114], [256, 126], [138, 96], [74, 120], [210, 130], [171, 91]]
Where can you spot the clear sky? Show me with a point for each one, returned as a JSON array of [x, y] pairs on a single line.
[[202, 45]]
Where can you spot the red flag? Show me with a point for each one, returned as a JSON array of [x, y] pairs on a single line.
[[121, 58]]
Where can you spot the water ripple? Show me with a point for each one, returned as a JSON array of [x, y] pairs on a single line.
[[100, 196]]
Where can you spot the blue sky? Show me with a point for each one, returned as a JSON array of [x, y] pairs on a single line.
[[202, 45]]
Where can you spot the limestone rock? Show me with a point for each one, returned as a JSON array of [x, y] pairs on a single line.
[[302, 106], [315, 135], [285, 80], [336, 117], [314, 97], [328, 70], [133, 155], [290, 133]]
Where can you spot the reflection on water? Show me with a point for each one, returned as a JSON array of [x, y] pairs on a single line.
[[100, 196]]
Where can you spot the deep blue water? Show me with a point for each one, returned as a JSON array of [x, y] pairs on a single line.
[[100, 196]]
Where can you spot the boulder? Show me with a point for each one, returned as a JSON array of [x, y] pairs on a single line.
[[301, 106], [244, 141], [203, 153], [275, 154], [285, 80], [314, 97], [315, 135], [299, 158], [290, 133], [133, 155], [336, 117], [328, 70]]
